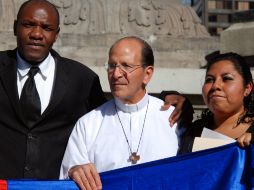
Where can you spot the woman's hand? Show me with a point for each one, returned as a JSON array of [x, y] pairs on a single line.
[[244, 140], [177, 101]]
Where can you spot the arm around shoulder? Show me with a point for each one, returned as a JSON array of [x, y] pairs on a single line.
[[183, 108]]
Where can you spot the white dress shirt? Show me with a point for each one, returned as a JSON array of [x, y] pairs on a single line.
[[44, 79], [98, 136]]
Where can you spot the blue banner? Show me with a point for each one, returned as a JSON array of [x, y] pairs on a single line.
[[228, 167]]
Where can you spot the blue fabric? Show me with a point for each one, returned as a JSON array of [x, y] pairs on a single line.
[[41, 185], [228, 167]]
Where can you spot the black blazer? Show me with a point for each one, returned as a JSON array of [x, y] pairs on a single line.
[[37, 152]]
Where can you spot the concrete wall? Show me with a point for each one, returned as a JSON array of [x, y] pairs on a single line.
[[238, 38]]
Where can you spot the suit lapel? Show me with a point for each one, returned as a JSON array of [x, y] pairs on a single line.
[[59, 88], [8, 76]]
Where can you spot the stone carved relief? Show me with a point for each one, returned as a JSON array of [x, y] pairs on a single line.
[[6, 15], [8, 12], [81, 16], [143, 17], [72, 10], [160, 18]]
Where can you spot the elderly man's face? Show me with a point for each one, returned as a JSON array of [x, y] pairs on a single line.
[[36, 30], [127, 77]]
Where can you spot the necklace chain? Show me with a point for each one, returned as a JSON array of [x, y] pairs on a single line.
[[134, 157]]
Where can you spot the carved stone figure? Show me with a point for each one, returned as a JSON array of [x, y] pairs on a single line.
[[160, 18], [6, 15], [73, 13]]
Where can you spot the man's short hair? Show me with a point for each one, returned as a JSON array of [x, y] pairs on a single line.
[[43, 1], [146, 52]]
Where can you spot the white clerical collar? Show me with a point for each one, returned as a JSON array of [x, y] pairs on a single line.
[[132, 107], [45, 66]]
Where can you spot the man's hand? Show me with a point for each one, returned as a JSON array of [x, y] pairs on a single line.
[[86, 176], [178, 102], [244, 140]]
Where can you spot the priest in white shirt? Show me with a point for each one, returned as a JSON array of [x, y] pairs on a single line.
[[127, 130]]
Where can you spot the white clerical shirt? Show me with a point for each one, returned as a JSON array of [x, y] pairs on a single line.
[[98, 137]]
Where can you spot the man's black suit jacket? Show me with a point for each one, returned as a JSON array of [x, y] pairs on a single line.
[[37, 152]]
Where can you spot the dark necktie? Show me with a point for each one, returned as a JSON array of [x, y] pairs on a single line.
[[30, 100]]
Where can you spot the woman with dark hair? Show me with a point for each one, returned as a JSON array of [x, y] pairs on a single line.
[[228, 93]]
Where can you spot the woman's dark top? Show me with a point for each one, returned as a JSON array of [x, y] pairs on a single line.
[[195, 131]]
